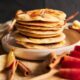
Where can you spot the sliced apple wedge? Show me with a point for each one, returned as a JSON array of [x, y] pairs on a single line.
[[12, 70], [10, 58]]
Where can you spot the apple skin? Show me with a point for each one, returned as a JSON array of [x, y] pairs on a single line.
[[75, 54], [71, 74], [77, 48], [70, 62]]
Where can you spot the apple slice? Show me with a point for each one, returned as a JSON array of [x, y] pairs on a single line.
[[75, 54], [10, 59], [70, 62], [71, 74], [3, 59]]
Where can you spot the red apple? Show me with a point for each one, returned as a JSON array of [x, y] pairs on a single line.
[[71, 74], [70, 62], [77, 48], [75, 54]]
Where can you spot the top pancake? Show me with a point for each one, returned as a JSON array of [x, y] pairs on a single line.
[[48, 15]]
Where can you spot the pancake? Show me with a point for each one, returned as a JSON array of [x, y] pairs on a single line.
[[37, 35], [40, 32], [40, 29], [21, 38], [42, 24], [49, 15], [42, 46], [37, 27]]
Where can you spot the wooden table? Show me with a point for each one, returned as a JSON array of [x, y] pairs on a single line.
[[37, 68]]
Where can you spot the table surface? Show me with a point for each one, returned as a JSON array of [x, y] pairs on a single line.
[[37, 69]]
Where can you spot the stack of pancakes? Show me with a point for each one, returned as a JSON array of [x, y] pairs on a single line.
[[40, 29]]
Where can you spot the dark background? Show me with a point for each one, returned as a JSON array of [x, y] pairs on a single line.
[[8, 8]]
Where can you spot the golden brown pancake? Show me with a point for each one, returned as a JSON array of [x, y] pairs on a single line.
[[42, 46], [40, 32], [37, 27], [40, 29], [49, 15], [21, 38], [37, 35], [42, 24]]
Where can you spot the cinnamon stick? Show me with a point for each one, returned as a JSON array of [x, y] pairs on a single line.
[[12, 25], [12, 71], [53, 57], [56, 62], [25, 70], [71, 17]]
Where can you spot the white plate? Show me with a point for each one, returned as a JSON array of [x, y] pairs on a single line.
[[72, 39]]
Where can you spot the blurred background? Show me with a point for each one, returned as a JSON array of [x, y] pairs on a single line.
[[8, 8]]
